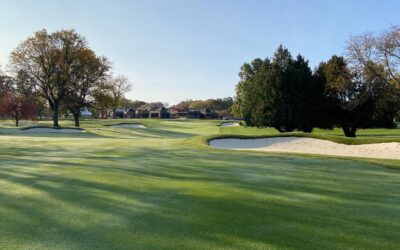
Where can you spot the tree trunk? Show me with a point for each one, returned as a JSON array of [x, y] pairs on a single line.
[[16, 122], [55, 115], [349, 131], [76, 118]]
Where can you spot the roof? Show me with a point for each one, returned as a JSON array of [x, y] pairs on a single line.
[[86, 112]]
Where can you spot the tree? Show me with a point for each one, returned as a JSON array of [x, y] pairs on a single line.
[[183, 105], [103, 100], [281, 93], [118, 87], [221, 106], [250, 100], [6, 84], [386, 101], [17, 106], [308, 95], [387, 47], [89, 75], [16, 99], [382, 49], [50, 60], [378, 56], [152, 105], [351, 96], [26, 87], [132, 104]]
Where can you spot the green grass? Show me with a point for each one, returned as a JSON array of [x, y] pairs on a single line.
[[336, 135], [162, 187]]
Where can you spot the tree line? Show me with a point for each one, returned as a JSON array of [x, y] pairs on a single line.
[[58, 70], [358, 90], [57, 74], [221, 106]]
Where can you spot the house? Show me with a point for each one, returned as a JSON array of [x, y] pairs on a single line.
[[142, 113], [182, 114], [120, 113], [131, 113], [160, 113], [208, 113], [85, 113], [173, 113], [177, 113], [104, 113], [194, 114]]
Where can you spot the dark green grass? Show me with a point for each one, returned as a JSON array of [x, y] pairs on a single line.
[[363, 135], [162, 188]]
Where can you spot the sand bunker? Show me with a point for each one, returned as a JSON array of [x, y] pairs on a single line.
[[229, 124], [311, 146], [52, 130], [133, 125]]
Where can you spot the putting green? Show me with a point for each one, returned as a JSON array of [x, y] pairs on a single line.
[[115, 188]]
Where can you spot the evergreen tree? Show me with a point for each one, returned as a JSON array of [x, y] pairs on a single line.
[[282, 94]]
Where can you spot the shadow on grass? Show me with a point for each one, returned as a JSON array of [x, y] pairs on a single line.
[[169, 133], [26, 133], [380, 135], [186, 198]]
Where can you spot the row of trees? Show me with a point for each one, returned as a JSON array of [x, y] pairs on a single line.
[[60, 71], [357, 91], [222, 106]]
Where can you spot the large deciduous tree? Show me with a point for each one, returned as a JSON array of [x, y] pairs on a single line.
[[50, 60], [368, 50], [89, 75], [118, 86], [378, 56], [110, 95], [342, 95], [357, 98]]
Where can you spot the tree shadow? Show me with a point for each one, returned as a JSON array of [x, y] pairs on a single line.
[[194, 198], [24, 133]]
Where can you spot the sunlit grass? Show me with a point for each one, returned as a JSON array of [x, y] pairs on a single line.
[[153, 188]]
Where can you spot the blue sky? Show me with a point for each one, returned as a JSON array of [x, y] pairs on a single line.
[[174, 50]]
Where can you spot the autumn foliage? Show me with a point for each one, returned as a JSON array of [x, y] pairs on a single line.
[[17, 107]]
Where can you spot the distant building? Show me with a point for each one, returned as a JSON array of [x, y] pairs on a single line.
[[194, 114], [120, 113], [160, 113], [164, 113], [208, 114], [142, 113], [85, 113], [131, 113], [176, 113], [105, 113], [173, 113]]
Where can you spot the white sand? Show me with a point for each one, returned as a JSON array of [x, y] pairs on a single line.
[[52, 130], [133, 125], [229, 124], [311, 146]]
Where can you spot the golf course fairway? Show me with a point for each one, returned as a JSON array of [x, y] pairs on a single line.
[[160, 188]]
